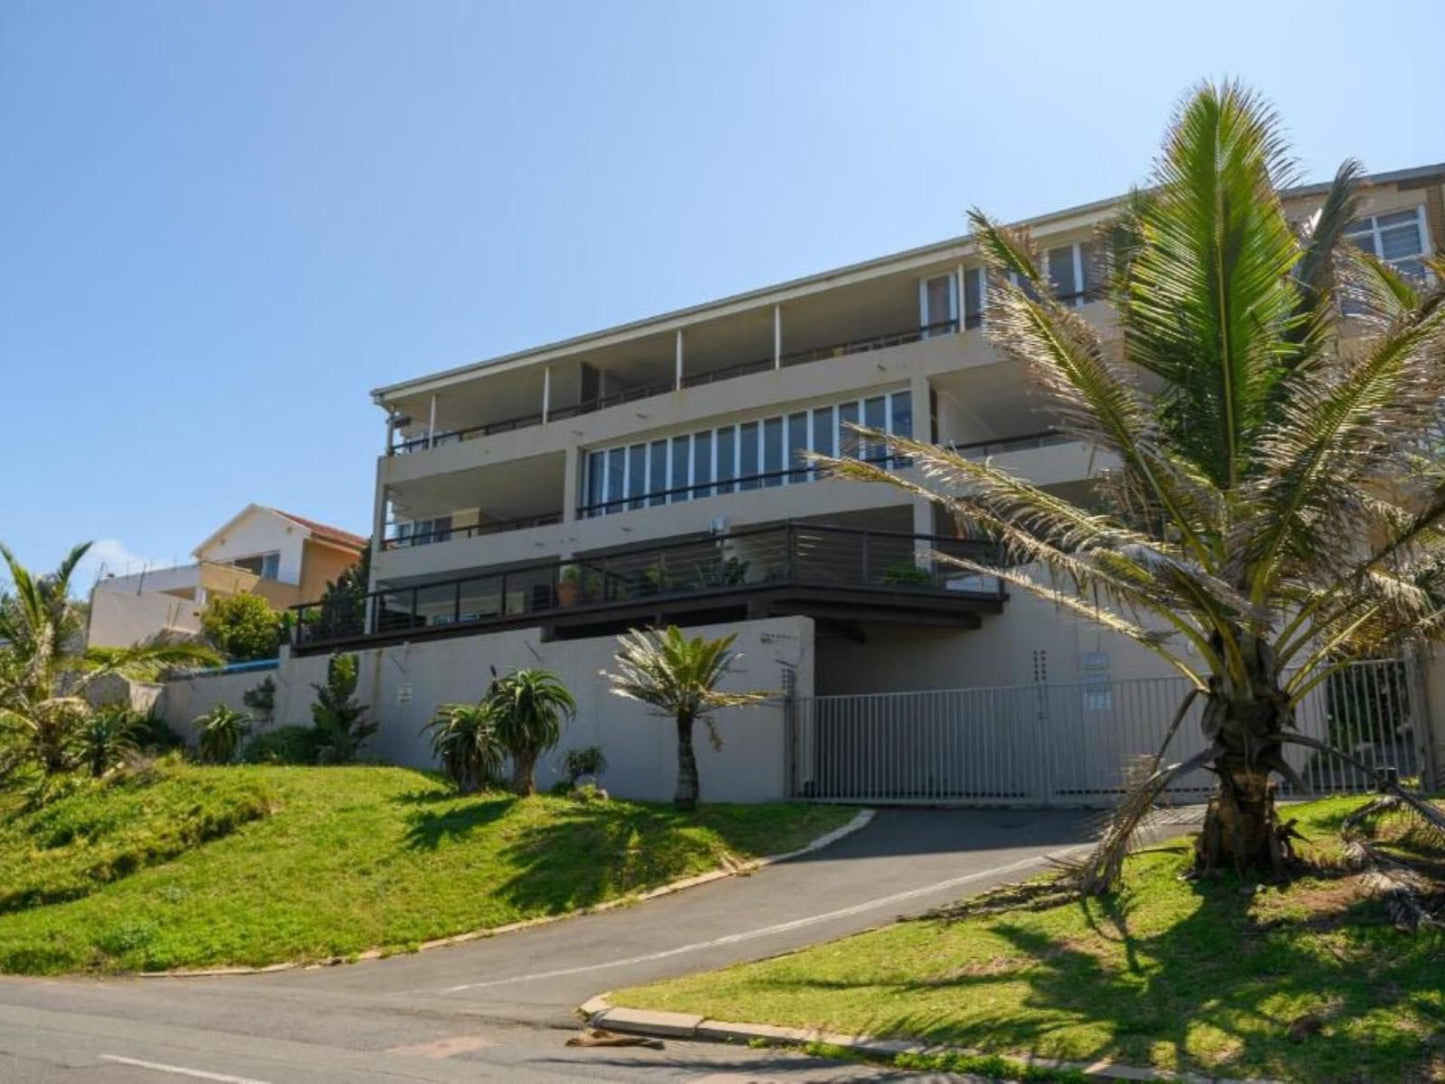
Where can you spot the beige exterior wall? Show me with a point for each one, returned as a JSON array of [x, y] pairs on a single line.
[[405, 683], [321, 564]]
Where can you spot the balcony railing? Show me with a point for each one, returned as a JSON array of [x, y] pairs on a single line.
[[791, 555], [396, 541], [981, 449], [662, 387]]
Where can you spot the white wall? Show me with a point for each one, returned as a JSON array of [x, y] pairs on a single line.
[[404, 685], [119, 619], [260, 531]]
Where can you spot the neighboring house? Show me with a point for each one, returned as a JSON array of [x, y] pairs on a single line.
[[531, 506], [264, 551]]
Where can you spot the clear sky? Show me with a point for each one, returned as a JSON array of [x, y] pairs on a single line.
[[222, 224]]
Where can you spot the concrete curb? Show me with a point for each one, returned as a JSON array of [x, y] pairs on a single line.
[[827, 839], [599, 1013]]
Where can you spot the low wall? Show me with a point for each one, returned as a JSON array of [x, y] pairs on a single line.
[[404, 685]]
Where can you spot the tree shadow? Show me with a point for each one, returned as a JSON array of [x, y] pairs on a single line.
[[1220, 989], [427, 830]]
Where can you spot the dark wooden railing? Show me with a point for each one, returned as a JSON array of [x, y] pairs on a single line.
[[793, 554], [446, 534]]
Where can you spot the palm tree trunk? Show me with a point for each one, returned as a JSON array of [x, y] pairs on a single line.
[[1241, 826], [524, 774], [685, 800]]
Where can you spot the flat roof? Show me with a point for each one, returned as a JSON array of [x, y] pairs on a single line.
[[811, 284]]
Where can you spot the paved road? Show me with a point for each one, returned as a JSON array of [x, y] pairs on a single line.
[[501, 1009]]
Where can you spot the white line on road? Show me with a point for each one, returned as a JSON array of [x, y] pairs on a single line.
[[180, 1070], [781, 927]]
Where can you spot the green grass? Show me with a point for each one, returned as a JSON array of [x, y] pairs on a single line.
[[256, 865], [1171, 974]]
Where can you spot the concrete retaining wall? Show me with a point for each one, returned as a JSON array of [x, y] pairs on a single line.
[[405, 684]]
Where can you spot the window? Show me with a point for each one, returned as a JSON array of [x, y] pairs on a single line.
[[1073, 272], [763, 453], [938, 305], [973, 297], [1397, 238], [748, 455], [773, 452], [636, 474], [797, 446], [657, 483], [268, 565], [681, 456], [727, 442]]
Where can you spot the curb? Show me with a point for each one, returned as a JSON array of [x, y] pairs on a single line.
[[827, 839], [599, 1013]]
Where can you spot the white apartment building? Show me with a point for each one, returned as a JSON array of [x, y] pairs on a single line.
[[651, 473]]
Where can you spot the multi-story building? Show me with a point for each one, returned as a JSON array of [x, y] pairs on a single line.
[[654, 471]]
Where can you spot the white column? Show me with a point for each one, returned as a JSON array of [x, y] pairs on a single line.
[[777, 336], [431, 425], [571, 476], [546, 392], [957, 304], [678, 378], [390, 431]]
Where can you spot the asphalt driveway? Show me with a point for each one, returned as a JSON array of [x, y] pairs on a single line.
[[501, 1008]]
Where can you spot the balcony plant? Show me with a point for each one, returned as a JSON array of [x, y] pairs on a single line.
[[578, 583], [906, 574]]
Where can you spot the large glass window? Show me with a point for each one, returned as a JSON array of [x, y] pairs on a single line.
[[616, 479], [1397, 238], [848, 443], [773, 452], [596, 478], [797, 445], [748, 455], [636, 474], [875, 416], [681, 454], [823, 431], [657, 483], [1061, 273], [727, 463], [939, 305], [973, 297], [702, 464], [901, 422]]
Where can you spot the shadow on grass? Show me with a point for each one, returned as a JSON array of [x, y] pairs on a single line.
[[427, 830], [1218, 988]]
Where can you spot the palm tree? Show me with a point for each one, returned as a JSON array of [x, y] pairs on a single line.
[[221, 732], [45, 668], [1276, 512], [107, 738], [528, 708], [678, 677], [465, 741]]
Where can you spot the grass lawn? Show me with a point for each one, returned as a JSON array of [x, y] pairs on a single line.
[[1172, 974], [254, 865]]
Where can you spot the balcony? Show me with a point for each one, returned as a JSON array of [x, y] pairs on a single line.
[[396, 540], [404, 445], [823, 571]]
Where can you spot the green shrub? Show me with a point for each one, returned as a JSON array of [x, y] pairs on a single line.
[[340, 721], [242, 627], [105, 738], [587, 760], [222, 730], [154, 735], [283, 745], [906, 574]]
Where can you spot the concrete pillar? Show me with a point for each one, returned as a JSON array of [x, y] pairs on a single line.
[[1429, 665], [777, 336], [678, 375], [571, 477]]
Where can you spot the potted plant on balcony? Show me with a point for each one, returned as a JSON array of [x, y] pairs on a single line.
[[906, 574], [569, 585]]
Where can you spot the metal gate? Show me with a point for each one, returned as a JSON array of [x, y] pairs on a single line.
[[1069, 744]]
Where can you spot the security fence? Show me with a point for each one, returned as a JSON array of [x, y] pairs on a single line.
[[1041, 744]]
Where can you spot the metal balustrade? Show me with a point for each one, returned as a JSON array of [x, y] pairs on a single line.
[[788, 555]]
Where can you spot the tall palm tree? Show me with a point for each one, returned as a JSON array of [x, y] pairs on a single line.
[[678, 677], [528, 708], [45, 668], [1276, 511]]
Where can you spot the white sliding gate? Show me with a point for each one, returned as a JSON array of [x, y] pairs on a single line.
[[1069, 744]]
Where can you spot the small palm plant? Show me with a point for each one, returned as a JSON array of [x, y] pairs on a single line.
[[45, 667], [528, 708], [107, 738], [678, 679], [341, 723], [1278, 510], [221, 732], [465, 741]]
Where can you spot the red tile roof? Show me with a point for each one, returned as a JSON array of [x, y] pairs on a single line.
[[326, 532]]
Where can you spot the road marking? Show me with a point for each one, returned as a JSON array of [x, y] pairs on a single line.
[[180, 1070], [443, 1048], [781, 927]]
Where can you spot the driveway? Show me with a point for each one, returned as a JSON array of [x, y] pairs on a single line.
[[501, 1008]]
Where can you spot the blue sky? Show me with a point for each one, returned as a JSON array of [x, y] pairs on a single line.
[[222, 224]]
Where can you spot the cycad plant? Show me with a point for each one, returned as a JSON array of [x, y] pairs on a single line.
[[1276, 509], [341, 724], [107, 738], [465, 741], [220, 733], [678, 679], [45, 667], [528, 708]]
